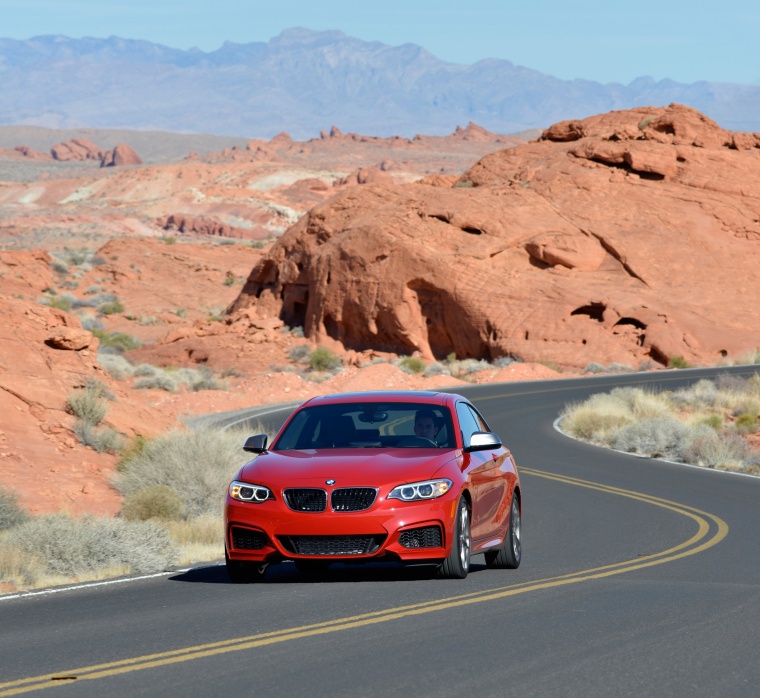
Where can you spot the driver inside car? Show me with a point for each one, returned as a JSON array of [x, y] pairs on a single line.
[[425, 424]]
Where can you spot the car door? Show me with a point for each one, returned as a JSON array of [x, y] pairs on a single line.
[[489, 484]]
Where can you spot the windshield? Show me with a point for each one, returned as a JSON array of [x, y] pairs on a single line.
[[369, 425]]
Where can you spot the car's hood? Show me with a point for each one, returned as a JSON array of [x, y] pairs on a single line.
[[355, 467]]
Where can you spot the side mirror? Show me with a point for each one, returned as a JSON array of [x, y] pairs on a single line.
[[256, 444], [483, 440]]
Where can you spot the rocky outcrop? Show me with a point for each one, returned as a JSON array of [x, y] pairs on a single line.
[[77, 149], [24, 152], [201, 225], [623, 237], [121, 156], [45, 356]]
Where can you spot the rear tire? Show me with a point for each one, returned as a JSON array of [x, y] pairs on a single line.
[[510, 553], [457, 564]]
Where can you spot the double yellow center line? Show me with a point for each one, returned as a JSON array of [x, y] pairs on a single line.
[[710, 531]]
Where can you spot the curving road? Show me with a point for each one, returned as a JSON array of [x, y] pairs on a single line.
[[639, 578]]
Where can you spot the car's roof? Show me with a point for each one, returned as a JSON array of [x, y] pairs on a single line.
[[424, 396]]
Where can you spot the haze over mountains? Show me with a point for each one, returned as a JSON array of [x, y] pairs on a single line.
[[304, 81]]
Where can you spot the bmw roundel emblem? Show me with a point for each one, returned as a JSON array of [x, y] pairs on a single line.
[[329, 482]]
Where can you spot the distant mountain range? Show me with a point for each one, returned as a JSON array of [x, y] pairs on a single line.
[[304, 81]]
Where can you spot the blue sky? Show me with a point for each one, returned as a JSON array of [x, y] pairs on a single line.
[[603, 40]]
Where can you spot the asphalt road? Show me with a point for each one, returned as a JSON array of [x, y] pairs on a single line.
[[639, 578]]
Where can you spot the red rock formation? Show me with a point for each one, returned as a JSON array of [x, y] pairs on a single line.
[[622, 237], [121, 156], [45, 355], [24, 272], [202, 225], [77, 149], [365, 175], [23, 151]]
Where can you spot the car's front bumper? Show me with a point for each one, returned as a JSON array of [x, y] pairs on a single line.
[[406, 531]]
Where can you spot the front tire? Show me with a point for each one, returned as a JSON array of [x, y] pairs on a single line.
[[510, 554], [241, 572], [457, 564]]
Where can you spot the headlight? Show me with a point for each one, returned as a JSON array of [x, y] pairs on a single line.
[[415, 491], [245, 492]]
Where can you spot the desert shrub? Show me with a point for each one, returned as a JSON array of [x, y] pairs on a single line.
[[504, 361], [702, 393], [714, 421], [72, 547], [664, 437], [147, 370], [62, 302], [201, 379], [92, 290], [591, 423], [88, 405], [147, 320], [232, 372], [437, 369], [76, 258], [18, 567], [168, 240], [120, 341], [180, 312], [100, 439], [91, 323], [198, 465], [202, 530], [465, 367], [116, 365], [156, 378], [200, 538], [11, 512], [678, 362], [411, 364], [747, 423], [724, 450], [154, 502], [595, 367], [322, 359], [159, 381], [229, 279], [299, 353], [111, 308]]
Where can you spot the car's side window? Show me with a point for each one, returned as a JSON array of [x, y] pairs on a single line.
[[467, 422], [479, 419]]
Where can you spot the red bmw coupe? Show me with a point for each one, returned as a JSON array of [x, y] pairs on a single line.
[[416, 477]]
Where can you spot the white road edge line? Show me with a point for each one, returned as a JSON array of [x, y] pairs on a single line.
[[105, 582]]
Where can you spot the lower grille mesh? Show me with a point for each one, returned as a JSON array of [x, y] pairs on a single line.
[[332, 545], [244, 539], [426, 537]]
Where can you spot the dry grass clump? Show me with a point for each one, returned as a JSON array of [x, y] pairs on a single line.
[[703, 424], [11, 512], [172, 380], [201, 538], [198, 465], [89, 406], [69, 547], [174, 487], [159, 502]]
